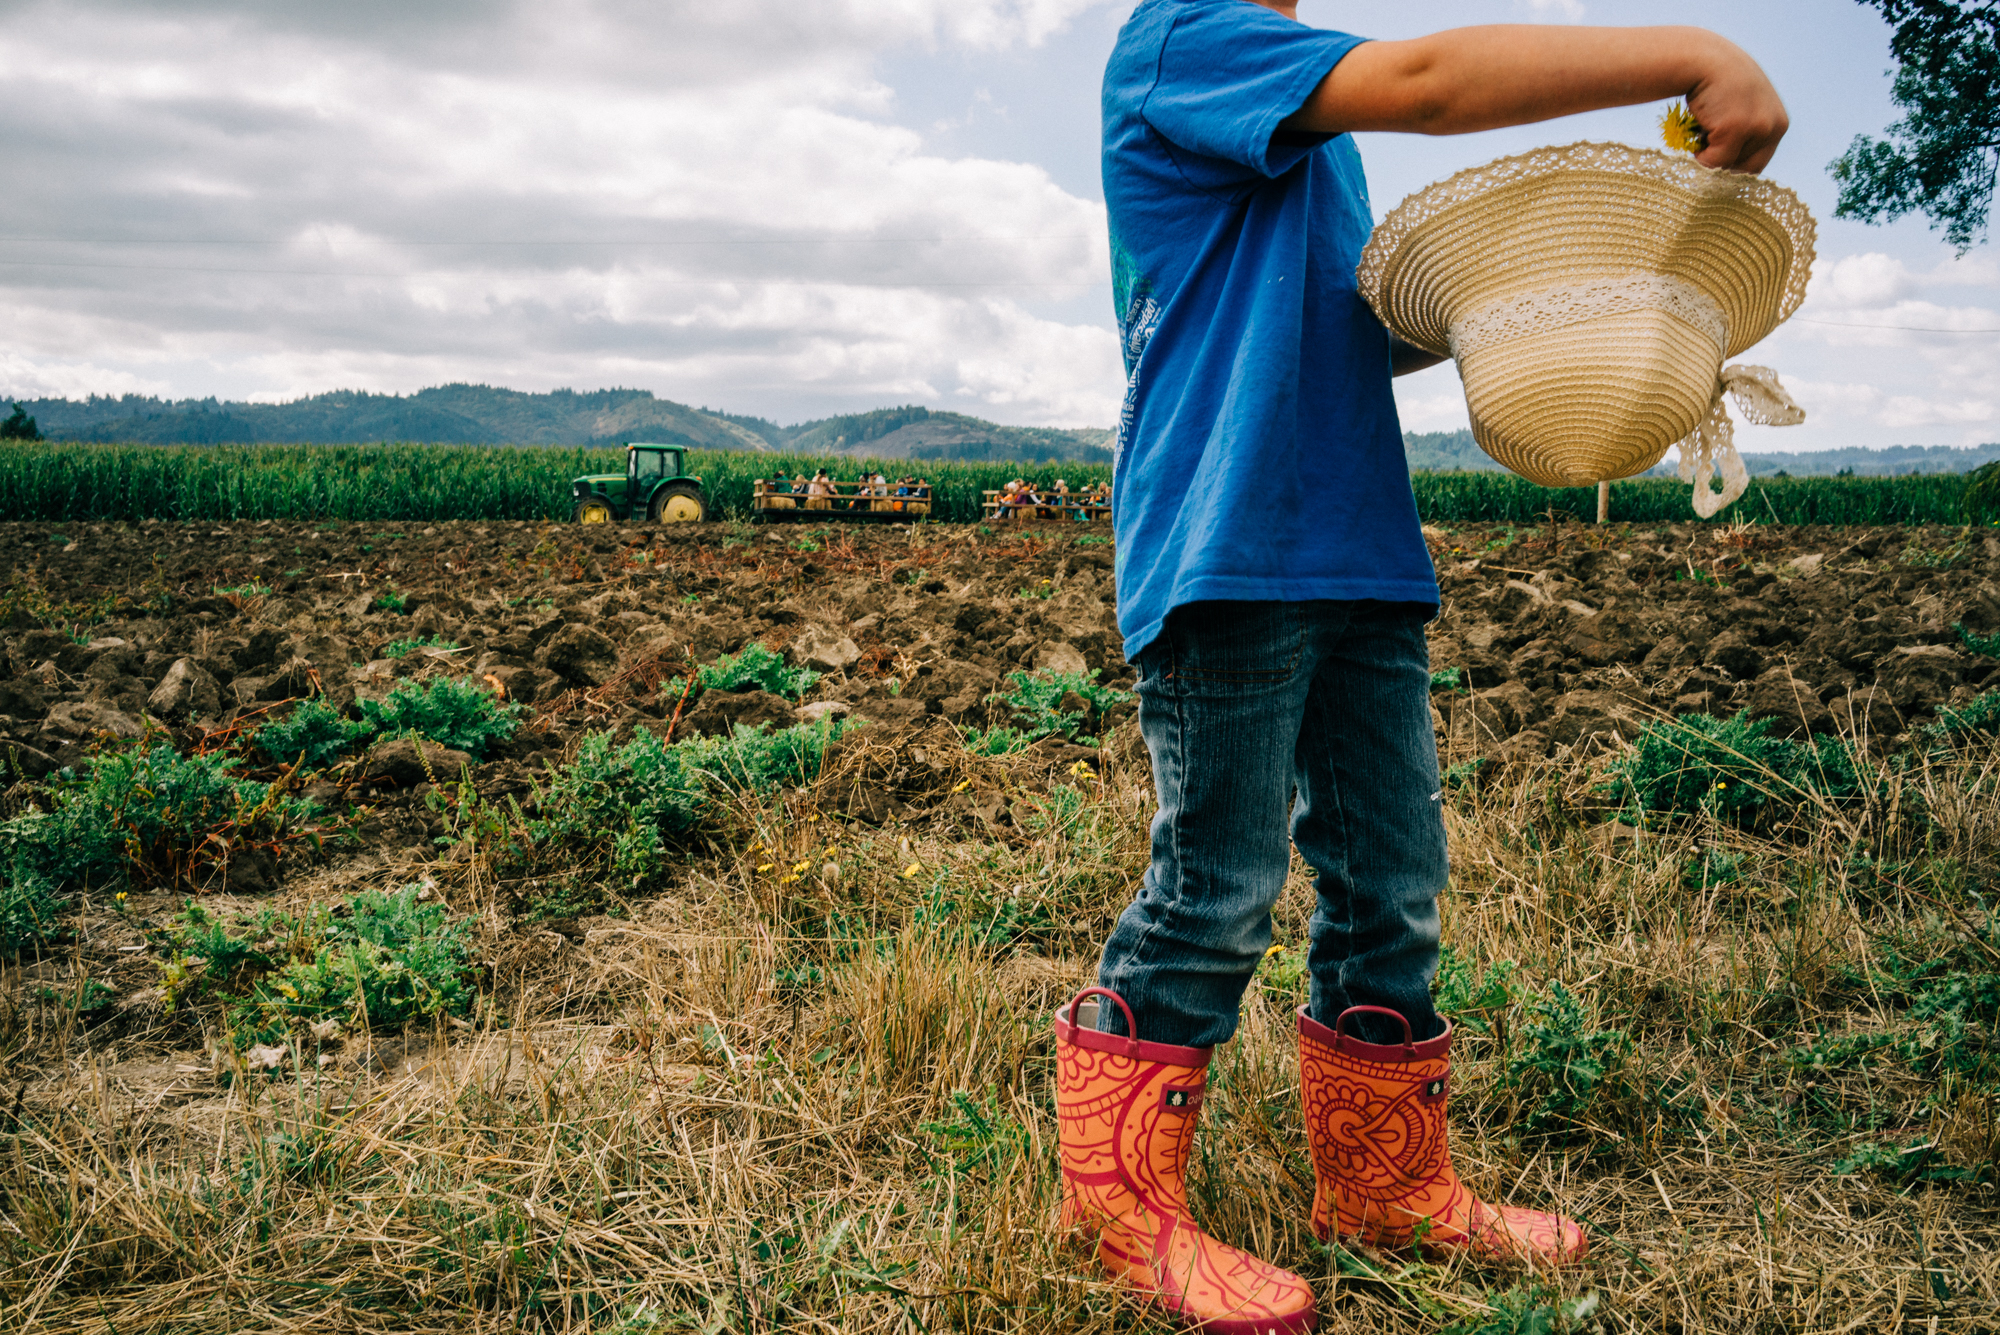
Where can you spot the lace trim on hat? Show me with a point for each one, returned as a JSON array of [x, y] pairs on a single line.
[[1784, 207], [1558, 307], [1712, 445]]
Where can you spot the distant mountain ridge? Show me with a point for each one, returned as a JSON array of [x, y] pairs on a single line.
[[483, 415], [1449, 451]]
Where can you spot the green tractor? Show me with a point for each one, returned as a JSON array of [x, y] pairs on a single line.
[[655, 486]]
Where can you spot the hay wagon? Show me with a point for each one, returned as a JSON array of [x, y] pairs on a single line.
[[781, 499]]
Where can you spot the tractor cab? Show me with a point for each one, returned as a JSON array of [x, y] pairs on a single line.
[[655, 487]]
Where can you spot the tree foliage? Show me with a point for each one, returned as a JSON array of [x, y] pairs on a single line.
[[1941, 158], [19, 426]]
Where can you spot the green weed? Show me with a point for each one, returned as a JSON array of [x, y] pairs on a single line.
[[618, 806], [1533, 1308], [1732, 768], [757, 666], [998, 740], [314, 733], [379, 960], [149, 813], [1474, 998], [405, 647], [1979, 716], [1989, 645], [460, 714], [980, 1140], [1036, 700], [1560, 1066], [389, 600]]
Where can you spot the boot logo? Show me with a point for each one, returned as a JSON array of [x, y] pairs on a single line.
[[1175, 1099], [1434, 1090]]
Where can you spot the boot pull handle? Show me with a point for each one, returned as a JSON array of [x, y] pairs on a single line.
[[1340, 1027], [1131, 1025]]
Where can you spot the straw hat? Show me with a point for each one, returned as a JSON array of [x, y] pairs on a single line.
[[1590, 294]]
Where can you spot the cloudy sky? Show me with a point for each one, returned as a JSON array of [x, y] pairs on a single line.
[[784, 209]]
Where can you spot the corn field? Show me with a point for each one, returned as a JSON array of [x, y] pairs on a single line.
[[69, 482]]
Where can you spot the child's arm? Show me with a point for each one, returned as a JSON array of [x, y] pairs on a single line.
[[1512, 74]]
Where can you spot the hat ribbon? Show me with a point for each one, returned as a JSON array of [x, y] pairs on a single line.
[[1711, 446]]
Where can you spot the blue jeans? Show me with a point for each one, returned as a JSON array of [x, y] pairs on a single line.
[[1249, 706]]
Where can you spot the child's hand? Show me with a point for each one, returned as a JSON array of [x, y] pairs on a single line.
[[1740, 111]]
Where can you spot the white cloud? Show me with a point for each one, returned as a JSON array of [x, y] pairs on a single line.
[[705, 200], [22, 378], [1547, 11]]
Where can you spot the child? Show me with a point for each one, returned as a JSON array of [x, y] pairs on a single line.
[[1275, 613]]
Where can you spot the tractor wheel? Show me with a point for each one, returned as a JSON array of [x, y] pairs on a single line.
[[590, 510], [679, 503]]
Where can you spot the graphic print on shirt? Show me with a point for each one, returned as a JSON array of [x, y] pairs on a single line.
[[1138, 320]]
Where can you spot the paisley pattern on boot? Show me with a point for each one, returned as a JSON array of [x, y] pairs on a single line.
[[1127, 1113], [1375, 1117]]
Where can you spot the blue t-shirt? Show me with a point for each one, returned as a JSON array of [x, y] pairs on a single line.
[[1258, 456]]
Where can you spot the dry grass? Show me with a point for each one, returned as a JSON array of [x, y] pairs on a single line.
[[824, 1104]]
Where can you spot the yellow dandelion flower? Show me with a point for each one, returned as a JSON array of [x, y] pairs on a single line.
[[1681, 131], [963, 786], [768, 866], [1277, 949], [912, 870]]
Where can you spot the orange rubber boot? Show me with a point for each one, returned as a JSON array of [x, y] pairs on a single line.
[[1382, 1170], [1127, 1112]]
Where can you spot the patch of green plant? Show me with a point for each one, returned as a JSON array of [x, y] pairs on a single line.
[[1463, 773], [980, 1141], [389, 600], [1730, 767], [1449, 679], [983, 914], [458, 713], [145, 812], [757, 666], [29, 905], [1093, 540], [1989, 645], [1533, 1308], [405, 647], [243, 591], [378, 960], [1285, 974], [1948, 1021], [1560, 1066], [92, 996], [1474, 998], [617, 807], [1937, 558], [1978, 716], [314, 734], [562, 898], [805, 545], [1714, 867], [998, 740], [1036, 698], [1046, 589], [1919, 1161]]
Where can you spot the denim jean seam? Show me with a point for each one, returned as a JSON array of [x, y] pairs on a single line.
[[1138, 952]]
